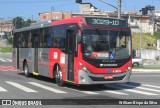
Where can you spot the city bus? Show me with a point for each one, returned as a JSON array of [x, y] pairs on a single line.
[[82, 50]]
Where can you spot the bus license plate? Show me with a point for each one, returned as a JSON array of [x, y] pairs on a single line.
[[108, 77]]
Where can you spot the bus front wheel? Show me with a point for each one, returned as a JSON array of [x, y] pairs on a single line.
[[26, 70], [58, 76]]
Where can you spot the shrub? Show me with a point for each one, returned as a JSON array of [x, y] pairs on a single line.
[[10, 39]]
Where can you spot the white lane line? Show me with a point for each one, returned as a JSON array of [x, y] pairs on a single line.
[[9, 60], [131, 90], [151, 86], [143, 88], [19, 86], [2, 89], [85, 92], [3, 60], [89, 92], [46, 87], [115, 92]]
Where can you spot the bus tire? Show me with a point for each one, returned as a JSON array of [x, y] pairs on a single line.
[[58, 76], [26, 70]]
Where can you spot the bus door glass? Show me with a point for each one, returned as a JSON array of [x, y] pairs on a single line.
[[35, 43], [71, 52]]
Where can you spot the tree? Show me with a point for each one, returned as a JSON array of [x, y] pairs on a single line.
[[19, 22], [27, 23]]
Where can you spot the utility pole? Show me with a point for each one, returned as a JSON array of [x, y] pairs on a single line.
[[52, 9], [119, 8]]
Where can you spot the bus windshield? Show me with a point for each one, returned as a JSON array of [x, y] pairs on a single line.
[[106, 44]]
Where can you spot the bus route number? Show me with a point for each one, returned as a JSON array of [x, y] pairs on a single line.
[[105, 22]]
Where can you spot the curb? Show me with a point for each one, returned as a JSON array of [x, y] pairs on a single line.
[[5, 53], [145, 70]]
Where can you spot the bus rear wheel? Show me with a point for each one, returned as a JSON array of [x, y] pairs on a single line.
[[26, 69], [58, 76]]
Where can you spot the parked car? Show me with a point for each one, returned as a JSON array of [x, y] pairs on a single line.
[[4, 36], [137, 62]]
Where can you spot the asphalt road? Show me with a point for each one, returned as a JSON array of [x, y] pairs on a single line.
[[4, 43], [14, 85]]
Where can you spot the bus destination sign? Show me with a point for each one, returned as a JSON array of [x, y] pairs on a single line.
[[108, 22]]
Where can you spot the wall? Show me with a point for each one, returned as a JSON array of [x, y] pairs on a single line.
[[150, 54]]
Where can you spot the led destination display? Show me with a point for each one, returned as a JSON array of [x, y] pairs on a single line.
[[108, 22]]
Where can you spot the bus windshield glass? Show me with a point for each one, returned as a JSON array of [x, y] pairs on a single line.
[[106, 44]]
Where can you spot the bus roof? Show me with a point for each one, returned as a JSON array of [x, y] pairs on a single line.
[[35, 26], [76, 19]]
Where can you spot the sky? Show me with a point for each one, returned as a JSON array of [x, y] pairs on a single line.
[[31, 8]]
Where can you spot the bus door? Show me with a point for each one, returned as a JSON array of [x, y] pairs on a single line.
[[71, 52], [15, 54], [15, 57], [35, 43]]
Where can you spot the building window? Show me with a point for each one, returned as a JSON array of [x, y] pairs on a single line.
[[44, 17]]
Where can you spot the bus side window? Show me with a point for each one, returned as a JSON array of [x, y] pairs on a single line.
[[30, 40], [48, 41], [59, 36]]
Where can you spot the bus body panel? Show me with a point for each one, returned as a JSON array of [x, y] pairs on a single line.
[[44, 60], [86, 79]]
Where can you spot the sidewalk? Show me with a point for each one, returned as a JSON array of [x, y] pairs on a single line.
[[146, 70], [153, 64]]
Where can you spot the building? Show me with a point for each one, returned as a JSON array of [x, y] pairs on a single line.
[[54, 15], [5, 28], [138, 22]]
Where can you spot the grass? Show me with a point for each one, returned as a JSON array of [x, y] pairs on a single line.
[[6, 50], [146, 38]]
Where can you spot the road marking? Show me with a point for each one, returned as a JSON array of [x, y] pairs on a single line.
[[115, 92], [85, 92], [2, 89], [131, 90], [151, 86], [3, 60], [26, 89], [46, 87], [89, 92], [144, 88], [9, 60]]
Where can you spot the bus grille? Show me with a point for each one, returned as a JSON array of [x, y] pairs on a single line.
[[102, 78]]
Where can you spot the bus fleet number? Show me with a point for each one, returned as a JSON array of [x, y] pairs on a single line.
[[105, 22]]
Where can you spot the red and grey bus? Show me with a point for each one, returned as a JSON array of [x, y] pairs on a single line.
[[80, 50]]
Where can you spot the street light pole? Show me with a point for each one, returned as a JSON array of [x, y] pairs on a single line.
[[119, 8], [52, 8], [141, 33]]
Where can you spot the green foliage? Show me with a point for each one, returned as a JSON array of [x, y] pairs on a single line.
[[157, 35], [27, 23], [19, 22], [147, 38], [10, 39], [6, 50]]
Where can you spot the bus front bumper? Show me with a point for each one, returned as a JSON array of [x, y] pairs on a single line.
[[89, 78]]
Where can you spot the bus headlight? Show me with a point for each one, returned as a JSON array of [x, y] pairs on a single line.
[[129, 69], [84, 67]]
